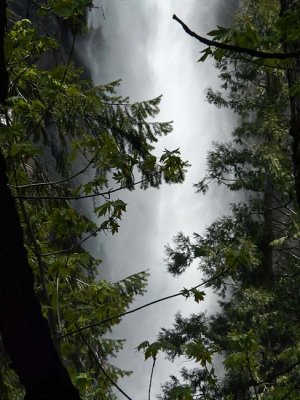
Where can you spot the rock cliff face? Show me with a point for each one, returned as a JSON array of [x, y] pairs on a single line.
[[52, 26], [226, 10], [49, 25]]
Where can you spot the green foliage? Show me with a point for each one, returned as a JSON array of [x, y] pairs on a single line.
[[69, 8], [181, 393], [289, 26], [251, 256], [262, 33], [150, 350], [197, 350], [65, 140]]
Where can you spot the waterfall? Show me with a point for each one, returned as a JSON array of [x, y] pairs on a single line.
[[138, 41]]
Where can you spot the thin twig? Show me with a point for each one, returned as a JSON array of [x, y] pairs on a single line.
[[98, 362], [31, 185], [98, 323], [54, 253], [151, 377], [253, 381], [106, 193]]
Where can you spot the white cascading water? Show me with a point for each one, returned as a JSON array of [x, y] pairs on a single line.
[[138, 41]]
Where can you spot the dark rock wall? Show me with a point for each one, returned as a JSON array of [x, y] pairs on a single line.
[[49, 25]]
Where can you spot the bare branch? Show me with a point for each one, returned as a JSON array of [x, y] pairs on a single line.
[[236, 49]]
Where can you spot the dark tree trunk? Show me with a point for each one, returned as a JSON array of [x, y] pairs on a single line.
[[293, 77], [25, 332]]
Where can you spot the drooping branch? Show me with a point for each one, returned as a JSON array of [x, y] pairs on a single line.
[[236, 49]]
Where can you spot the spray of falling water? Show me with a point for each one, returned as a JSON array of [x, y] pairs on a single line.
[[139, 42]]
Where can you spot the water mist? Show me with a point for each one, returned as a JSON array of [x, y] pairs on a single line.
[[139, 42]]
